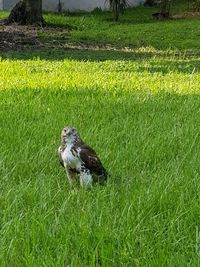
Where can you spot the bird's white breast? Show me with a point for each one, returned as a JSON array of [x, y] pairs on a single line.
[[71, 160]]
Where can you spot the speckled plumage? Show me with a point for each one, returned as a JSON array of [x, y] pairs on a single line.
[[79, 159]]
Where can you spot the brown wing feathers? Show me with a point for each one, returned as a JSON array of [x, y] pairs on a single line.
[[91, 160]]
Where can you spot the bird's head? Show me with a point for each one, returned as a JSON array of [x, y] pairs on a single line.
[[68, 135]]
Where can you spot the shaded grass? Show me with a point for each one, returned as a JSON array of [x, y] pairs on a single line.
[[135, 29]]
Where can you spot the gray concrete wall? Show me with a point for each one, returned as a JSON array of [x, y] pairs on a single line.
[[72, 5], [9, 4], [50, 5], [87, 5], [135, 2], [1, 4]]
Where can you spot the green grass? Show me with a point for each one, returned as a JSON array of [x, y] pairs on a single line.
[[135, 29], [140, 110]]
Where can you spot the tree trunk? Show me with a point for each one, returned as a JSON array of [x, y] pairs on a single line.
[[165, 9], [60, 6], [149, 3], [27, 12], [117, 7], [116, 11]]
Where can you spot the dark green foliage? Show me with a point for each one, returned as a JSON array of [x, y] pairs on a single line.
[[196, 5]]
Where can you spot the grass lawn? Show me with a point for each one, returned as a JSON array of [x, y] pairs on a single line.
[[139, 107]]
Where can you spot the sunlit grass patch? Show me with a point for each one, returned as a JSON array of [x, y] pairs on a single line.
[[155, 74]]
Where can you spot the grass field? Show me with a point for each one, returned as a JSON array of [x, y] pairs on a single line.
[[139, 108]]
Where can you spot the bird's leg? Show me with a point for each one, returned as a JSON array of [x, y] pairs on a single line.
[[85, 178], [71, 175]]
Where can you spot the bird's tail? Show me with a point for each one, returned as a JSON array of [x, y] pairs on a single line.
[[103, 177]]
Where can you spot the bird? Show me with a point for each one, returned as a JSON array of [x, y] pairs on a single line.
[[80, 160]]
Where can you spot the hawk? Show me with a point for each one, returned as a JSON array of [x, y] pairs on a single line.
[[80, 159]]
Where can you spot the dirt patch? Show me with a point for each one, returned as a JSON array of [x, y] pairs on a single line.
[[186, 15], [15, 37], [18, 37]]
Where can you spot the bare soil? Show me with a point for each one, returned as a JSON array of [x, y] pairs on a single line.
[[186, 15], [20, 37]]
